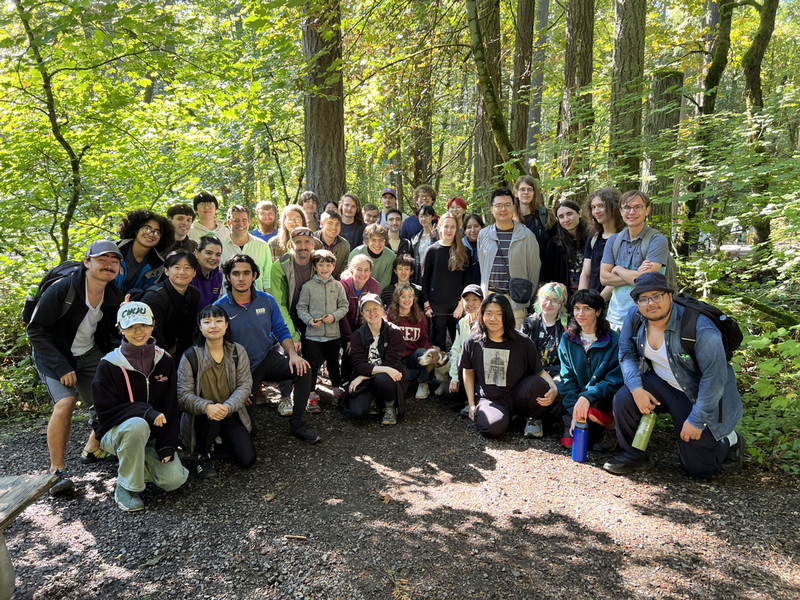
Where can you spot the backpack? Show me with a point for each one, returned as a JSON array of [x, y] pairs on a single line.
[[649, 233], [57, 273], [731, 334]]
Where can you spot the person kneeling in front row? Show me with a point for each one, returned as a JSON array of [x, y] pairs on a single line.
[[698, 391], [496, 361], [137, 413]]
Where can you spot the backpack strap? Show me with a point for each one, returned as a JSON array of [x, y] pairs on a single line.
[[689, 331], [647, 237], [191, 356], [543, 216], [127, 382]]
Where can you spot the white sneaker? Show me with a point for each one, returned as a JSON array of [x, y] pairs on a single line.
[[285, 406], [422, 391], [533, 428]]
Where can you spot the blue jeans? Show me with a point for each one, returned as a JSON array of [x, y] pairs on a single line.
[[415, 372]]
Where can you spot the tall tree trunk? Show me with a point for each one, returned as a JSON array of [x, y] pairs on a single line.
[[751, 65], [521, 78], [323, 101], [626, 90], [489, 88], [718, 49], [62, 223], [487, 155], [661, 134], [576, 113], [537, 79]]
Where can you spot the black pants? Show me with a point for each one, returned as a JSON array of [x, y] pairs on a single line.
[[701, 458], [443, 322], [234, 435], [381, 388], [275, 367], [493, 418], [317, 353]]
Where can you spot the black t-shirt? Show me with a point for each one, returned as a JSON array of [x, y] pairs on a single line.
[[596, 254], [499, 367]]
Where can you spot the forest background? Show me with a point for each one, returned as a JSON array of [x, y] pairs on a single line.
[[109, 105]]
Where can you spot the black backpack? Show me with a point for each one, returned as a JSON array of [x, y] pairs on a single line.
[[57, 273], [731, 334]]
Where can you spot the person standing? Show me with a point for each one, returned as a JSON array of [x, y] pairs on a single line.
[[206, 206], [352, 220], [606, 220], [309, 202], [374, 246], [145, 238], [241, 241], [564, 258], [621, 268], [182, 216], [267, 216], [424, 195], [208, 277], [68, 339], [507, 251], [330, 240], [389, 202]]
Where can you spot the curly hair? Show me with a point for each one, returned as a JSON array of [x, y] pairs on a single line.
[[593, 300], [610, 197], [132, 222]]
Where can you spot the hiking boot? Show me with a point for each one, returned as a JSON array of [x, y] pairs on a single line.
[[373, 407], [622, 465], [313, 405], [733, 462], [205, 467], [63, 486], [304, 433], [422, 391], [389, 416], [127, 500], [464, 412], [533, 428], [607, 443], [285, 407], [98, 455]]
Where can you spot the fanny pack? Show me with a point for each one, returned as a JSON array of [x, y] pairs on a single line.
[[520, 290]]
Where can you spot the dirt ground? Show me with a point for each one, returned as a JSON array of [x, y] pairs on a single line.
[[425, 509]]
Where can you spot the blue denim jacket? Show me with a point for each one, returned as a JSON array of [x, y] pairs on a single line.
[[709, 383]]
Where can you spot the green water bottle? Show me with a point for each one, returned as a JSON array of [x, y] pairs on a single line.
[[642, 437]]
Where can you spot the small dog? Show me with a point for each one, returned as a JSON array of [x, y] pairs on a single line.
[[439, 362]]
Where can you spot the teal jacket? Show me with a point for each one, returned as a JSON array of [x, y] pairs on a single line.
[[595, 374]]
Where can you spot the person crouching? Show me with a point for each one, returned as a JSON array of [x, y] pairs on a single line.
[[135, 395]]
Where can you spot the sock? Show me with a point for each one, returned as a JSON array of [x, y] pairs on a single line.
[[733, 438]]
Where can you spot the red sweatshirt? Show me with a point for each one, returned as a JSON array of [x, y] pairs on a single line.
[[414, 334]]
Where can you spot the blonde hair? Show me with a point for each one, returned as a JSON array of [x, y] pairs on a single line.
[[560, 291]]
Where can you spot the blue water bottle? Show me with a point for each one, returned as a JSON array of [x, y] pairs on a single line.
[[580, 440]]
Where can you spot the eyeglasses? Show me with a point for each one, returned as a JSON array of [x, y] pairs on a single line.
[[503, 206], [292, 219], [150, 231], [645, 300], [524, 190], [636, 208]]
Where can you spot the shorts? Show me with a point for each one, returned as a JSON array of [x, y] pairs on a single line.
[[85, 368]]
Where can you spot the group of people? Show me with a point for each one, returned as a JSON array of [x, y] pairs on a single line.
[[170, 332]]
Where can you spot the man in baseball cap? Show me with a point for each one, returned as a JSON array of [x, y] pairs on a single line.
[[70, 330]]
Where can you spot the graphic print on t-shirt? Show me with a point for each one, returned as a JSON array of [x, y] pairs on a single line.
[[495, 365]]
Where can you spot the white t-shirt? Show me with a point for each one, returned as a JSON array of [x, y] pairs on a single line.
[[84, 337], [658, 358]]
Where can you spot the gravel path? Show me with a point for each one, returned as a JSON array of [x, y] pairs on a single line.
[[426, 509]]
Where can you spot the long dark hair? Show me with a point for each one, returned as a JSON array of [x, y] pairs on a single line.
[[212, 312], [593, 300], [509, 323], [571, 245]]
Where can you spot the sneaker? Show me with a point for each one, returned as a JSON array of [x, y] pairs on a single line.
[[313, 394], [464, 412], [533, 428], [305, 433], [422, 391], [735, 458], [622, 465], [607, 443], [98, 455], [63, 486], [127, 500], [389, 416], [373, 407], [313, 404], [205, 468], [285, 407], [337, 392]]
